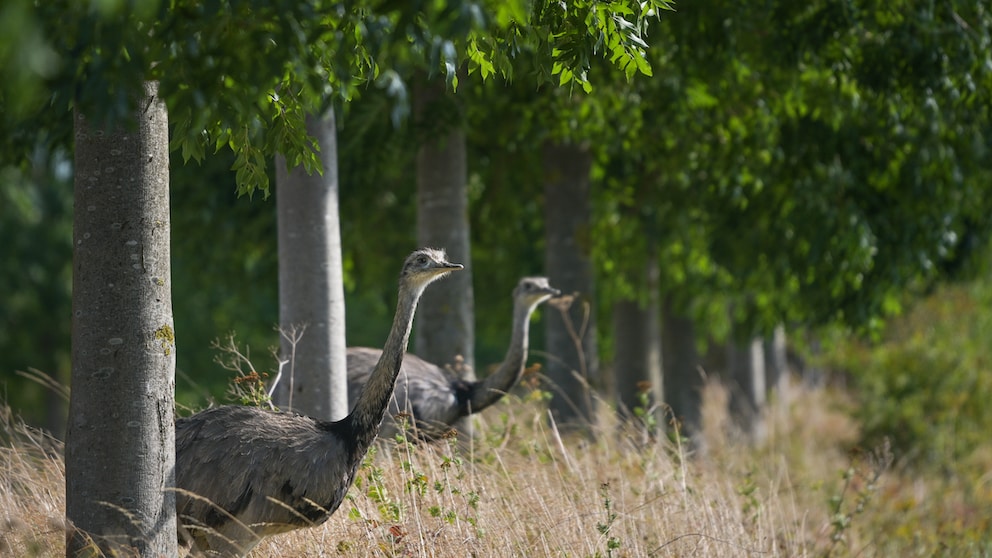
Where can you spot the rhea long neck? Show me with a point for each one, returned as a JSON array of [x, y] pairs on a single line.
[[497, 384], [366, 417]]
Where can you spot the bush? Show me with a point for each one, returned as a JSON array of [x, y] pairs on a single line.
[[926, 387]]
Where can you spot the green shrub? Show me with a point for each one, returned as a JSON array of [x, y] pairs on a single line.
[[927, 386]]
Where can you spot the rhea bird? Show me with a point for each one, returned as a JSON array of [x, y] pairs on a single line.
[[243, 473], [434, 397]]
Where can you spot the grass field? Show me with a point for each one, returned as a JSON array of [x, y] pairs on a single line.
[[520, 489]]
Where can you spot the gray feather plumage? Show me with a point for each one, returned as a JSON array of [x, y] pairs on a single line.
[[434, 397], [243, 472]]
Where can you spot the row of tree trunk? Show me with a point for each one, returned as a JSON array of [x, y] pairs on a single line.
[[657, 367], [123, 353]]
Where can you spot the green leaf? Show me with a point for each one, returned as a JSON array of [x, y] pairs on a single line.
[[643, 65]]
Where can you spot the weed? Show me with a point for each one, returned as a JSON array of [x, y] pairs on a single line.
[[370, 482], [748, 491], [644, 411], [248, 385], [604, 528], [250, 389], [416, 481], [860, 479]]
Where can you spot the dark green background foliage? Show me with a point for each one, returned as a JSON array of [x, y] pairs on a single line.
[[215, 233], [35, 277]]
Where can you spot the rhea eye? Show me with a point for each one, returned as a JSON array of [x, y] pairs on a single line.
[[422, 260]]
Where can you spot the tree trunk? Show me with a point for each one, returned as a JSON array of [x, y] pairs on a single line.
[[630, 363], [746, 361], [445, 326], [120, 446], [311, 284], [570, 332], [683, 380], [637, 364], [656, 369], [776, 362]]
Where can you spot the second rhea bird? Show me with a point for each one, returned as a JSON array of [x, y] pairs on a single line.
[[436, 398]]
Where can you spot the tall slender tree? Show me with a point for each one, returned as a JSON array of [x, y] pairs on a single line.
[[445, 331], [746, 379], [311, 283], [445, 328], [123, 349], [631, 336], [776, 362], [684, 379], [570, 333], [637, 361]]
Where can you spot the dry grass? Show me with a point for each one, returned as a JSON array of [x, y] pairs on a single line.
[[521, 490], [32, 490]]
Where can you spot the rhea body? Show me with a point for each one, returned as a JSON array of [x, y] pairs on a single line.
[[244, 472], [436, 398]]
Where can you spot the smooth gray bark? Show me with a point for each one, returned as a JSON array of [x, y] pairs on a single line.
[[570, 334], [746, 361], [630, 363], [120, 445], [684, 381], [445, 327], [637, 363], [311, 284], [656, 370], [813, 376], [776, 361]]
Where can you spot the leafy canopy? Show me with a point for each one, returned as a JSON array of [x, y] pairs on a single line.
[[242, 75]]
